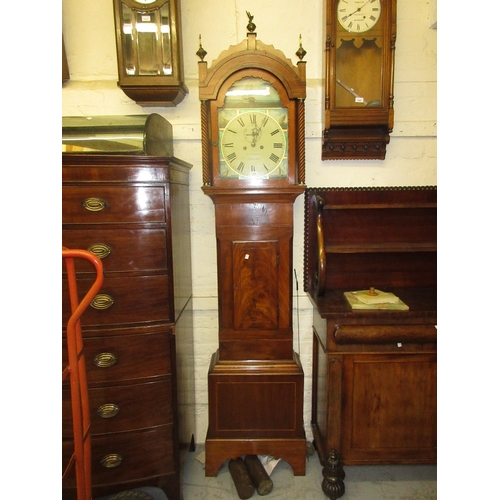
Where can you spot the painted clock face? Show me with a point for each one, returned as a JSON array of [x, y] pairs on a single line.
[[253, 146], [253, 132], [358, 16]]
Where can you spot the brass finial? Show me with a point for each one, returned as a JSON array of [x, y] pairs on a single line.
[[300, 52], [201, 52], [250, 26]]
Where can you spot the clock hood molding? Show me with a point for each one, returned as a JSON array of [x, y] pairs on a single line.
[[252, 53]]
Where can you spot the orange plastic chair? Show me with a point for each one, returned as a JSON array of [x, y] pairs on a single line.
[[80, 460]]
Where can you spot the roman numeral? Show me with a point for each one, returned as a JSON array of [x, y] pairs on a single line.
[[264, 121], [231, 157], [253, 119], [241, 166], [232, 131], [274, 132], [241, 122], [278, 145], [274, 158], [229, 145]]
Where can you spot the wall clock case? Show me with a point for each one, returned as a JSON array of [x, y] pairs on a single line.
[[359, 78], [252, 117], [149, 51]]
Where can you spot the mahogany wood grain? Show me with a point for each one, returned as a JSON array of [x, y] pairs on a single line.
[[374, 371], [142, 217]]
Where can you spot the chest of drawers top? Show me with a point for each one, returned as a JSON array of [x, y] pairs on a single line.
[[122, 169]]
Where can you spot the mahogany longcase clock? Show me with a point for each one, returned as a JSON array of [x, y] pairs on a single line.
[[359, 78], [252, 119]]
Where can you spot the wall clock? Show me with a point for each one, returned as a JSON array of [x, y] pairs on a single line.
[[359, 74], [252, 122], [149, 51]]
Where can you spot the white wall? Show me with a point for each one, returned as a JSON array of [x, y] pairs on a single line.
[[88, 29]]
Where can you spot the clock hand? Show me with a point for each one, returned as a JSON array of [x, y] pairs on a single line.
[[359, 9]]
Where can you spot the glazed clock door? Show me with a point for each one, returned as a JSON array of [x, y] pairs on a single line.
[[253, 123], [359, 46]]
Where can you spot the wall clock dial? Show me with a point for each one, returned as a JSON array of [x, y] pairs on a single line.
[[358, 16], [253, 145]]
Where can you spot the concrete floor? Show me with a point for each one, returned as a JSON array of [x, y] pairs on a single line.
[[369, 482]]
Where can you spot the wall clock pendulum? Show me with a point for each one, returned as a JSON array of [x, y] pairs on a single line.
[[253, 152], [359, 78]]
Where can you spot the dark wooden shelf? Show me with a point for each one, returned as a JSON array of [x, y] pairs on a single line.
[[382, 247]]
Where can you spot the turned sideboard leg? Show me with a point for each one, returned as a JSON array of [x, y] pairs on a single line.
[[333, 476]]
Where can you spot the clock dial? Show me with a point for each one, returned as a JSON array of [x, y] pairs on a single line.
[[358, 16], [253, 145]]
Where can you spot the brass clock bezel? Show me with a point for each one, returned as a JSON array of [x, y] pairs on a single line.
[[286, 103]]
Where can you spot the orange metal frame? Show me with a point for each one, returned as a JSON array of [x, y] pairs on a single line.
[[75, 371]]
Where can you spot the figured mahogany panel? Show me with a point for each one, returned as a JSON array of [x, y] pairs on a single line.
[[390, 407], [255, 399], [255, 406], [256, 299]]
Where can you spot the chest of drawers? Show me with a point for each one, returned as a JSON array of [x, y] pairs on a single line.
[[133, 212]]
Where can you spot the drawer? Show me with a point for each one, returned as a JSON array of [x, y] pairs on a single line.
[[124, 408], [121, 358], [120, 249], [384, 334], [120, 301], [129, 456], [99, 204]]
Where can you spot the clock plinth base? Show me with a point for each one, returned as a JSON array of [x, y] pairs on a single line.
[[292, 451], [255, 408]]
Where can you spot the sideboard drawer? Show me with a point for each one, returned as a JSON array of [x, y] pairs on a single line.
[[99, 204], [148, 251], [143, 299], [121, 358], [125, 407]]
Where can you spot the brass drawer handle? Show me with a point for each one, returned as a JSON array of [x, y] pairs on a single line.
[[111, 460], [94, 204], [108, 410], [100, 250], [102, 301], [105, 360]]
